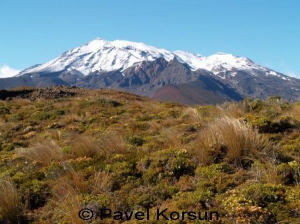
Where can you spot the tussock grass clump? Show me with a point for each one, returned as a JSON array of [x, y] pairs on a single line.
[[102, 182], [82, 145], [67, 195], [71, 118], [73, 191], [172, 138], [294, 111], [266, 172], [235, 110], [44, 151], [11, 208], [67, 206], [112, 143], [191, 114], [230, 139], [71, 183]]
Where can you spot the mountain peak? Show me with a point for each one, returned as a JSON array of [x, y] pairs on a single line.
[[102, 55]]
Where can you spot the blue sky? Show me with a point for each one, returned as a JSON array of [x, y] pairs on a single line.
[[266, 31]]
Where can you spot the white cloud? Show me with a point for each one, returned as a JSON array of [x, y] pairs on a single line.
[[6, 71], [288, 71], [293, 74]]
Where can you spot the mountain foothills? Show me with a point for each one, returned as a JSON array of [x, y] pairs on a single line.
[[158, 73]]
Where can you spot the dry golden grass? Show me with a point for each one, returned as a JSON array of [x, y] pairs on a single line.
[[47, 150], [154, 127], [171, 138], [169, 122], [71, 118], [154, 107], [71, 183], [21, 102], [44, 151], [266, 173], [191, 114], [55, 134], [69, 207], [102, 182], [112, 143], [73, 106], [232, 109], [69, 189], [82, 145], [137, 104], [231, 139], [67, 193], [67, 203], [208, 113], [294, 111], [11, 208]]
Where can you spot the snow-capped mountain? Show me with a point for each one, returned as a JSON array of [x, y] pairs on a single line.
[[102, 55], [6, 71], [159, 73]]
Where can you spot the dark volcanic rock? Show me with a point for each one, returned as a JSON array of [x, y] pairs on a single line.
[[147, 78], [52, 92]]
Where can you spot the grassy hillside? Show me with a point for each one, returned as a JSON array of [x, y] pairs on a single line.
[[113, 150]]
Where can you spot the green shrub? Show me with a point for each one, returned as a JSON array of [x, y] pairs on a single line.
[[41, 116], [35, 193], [166, 163], [4, 110], [290, 173], [148, 197], [241, 209], [264, 195], [16, 117], [8, 147], [137, 141], [257, 105]]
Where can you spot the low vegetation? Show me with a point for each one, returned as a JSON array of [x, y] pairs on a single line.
[[114, 150]]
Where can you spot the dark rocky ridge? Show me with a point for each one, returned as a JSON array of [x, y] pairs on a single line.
[[261, 85], [52, 92]]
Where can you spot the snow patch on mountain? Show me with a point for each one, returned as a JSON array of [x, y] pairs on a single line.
[[218, 62], [6, 71], [189, 58]]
